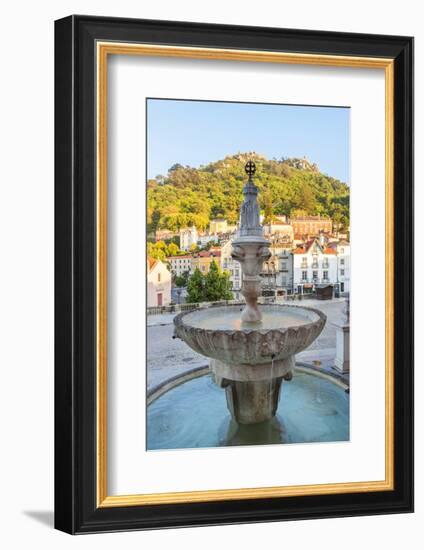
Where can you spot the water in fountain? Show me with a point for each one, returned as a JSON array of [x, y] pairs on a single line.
[[228, 318], [195, 415]]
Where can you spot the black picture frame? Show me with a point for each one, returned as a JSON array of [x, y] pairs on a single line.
[[76, 509]]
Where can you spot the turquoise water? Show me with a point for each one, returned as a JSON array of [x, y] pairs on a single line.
[[195, 415]]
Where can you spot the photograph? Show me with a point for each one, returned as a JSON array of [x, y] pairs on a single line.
[[229, 200], [248, 259]]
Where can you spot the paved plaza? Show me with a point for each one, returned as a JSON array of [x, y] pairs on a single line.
[[168, 357]]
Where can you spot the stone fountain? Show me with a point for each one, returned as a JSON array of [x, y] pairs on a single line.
[[252, 350]]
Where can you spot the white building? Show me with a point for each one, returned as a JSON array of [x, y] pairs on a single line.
[[203, 240], [232, 267], [180, 264], [285, 271], [188, 236], [158, 283], [342, 249], [314, 264]]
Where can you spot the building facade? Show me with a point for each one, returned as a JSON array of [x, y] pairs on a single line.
[[218, 225], [313, 264], [188, 236], [232, 267], [285, 271], [342, 249], [203, 240], [164, 234], [180, 264], [311, 225], [158, 283], [279, 231], [202, 260]]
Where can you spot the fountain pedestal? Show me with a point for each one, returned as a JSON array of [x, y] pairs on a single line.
[[252, 391]]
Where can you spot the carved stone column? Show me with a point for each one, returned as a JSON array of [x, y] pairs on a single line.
[[250, 248]]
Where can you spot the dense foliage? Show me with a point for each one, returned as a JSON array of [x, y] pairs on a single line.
[[182, 280], [160, 250], [193, 196], [212, 287]]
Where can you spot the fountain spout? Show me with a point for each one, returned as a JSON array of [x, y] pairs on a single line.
[[250, 248]]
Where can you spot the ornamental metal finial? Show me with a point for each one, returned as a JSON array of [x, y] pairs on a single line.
[[250, 168]]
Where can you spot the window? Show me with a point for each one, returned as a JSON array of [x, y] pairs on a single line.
[[314, 275], [342, 287], [304, 275], [325, 275], [283, 265], [342, 272], [342, 251], [158, 277], [341, 261]]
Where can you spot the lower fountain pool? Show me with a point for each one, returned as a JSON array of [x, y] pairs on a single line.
[[194, 414]]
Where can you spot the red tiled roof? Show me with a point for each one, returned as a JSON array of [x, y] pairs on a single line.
[[151, 262], [304, 249], [207, 253]]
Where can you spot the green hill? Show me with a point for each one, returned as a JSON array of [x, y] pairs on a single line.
[[187, 196]]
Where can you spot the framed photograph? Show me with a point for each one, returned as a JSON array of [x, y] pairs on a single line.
[[234, 274]]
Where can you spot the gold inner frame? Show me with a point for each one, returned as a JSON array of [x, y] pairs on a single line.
[[104, 49]]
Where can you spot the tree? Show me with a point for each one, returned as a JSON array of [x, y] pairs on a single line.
[[306, 199], [213, 287], [297, 213], [195, 287], [155, 251], [172, 249], [182, 280], [192, 196], [217, 284], [268, 206]]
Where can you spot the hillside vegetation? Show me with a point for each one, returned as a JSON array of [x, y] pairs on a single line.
[[187, 196]]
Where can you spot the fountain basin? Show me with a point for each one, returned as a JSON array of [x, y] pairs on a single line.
[[219, 333], [250, 360], [193, 414]]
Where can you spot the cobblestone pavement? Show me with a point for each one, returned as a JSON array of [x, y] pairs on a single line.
[[167, 357]]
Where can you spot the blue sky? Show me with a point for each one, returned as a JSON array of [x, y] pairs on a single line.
[[198, 132]]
